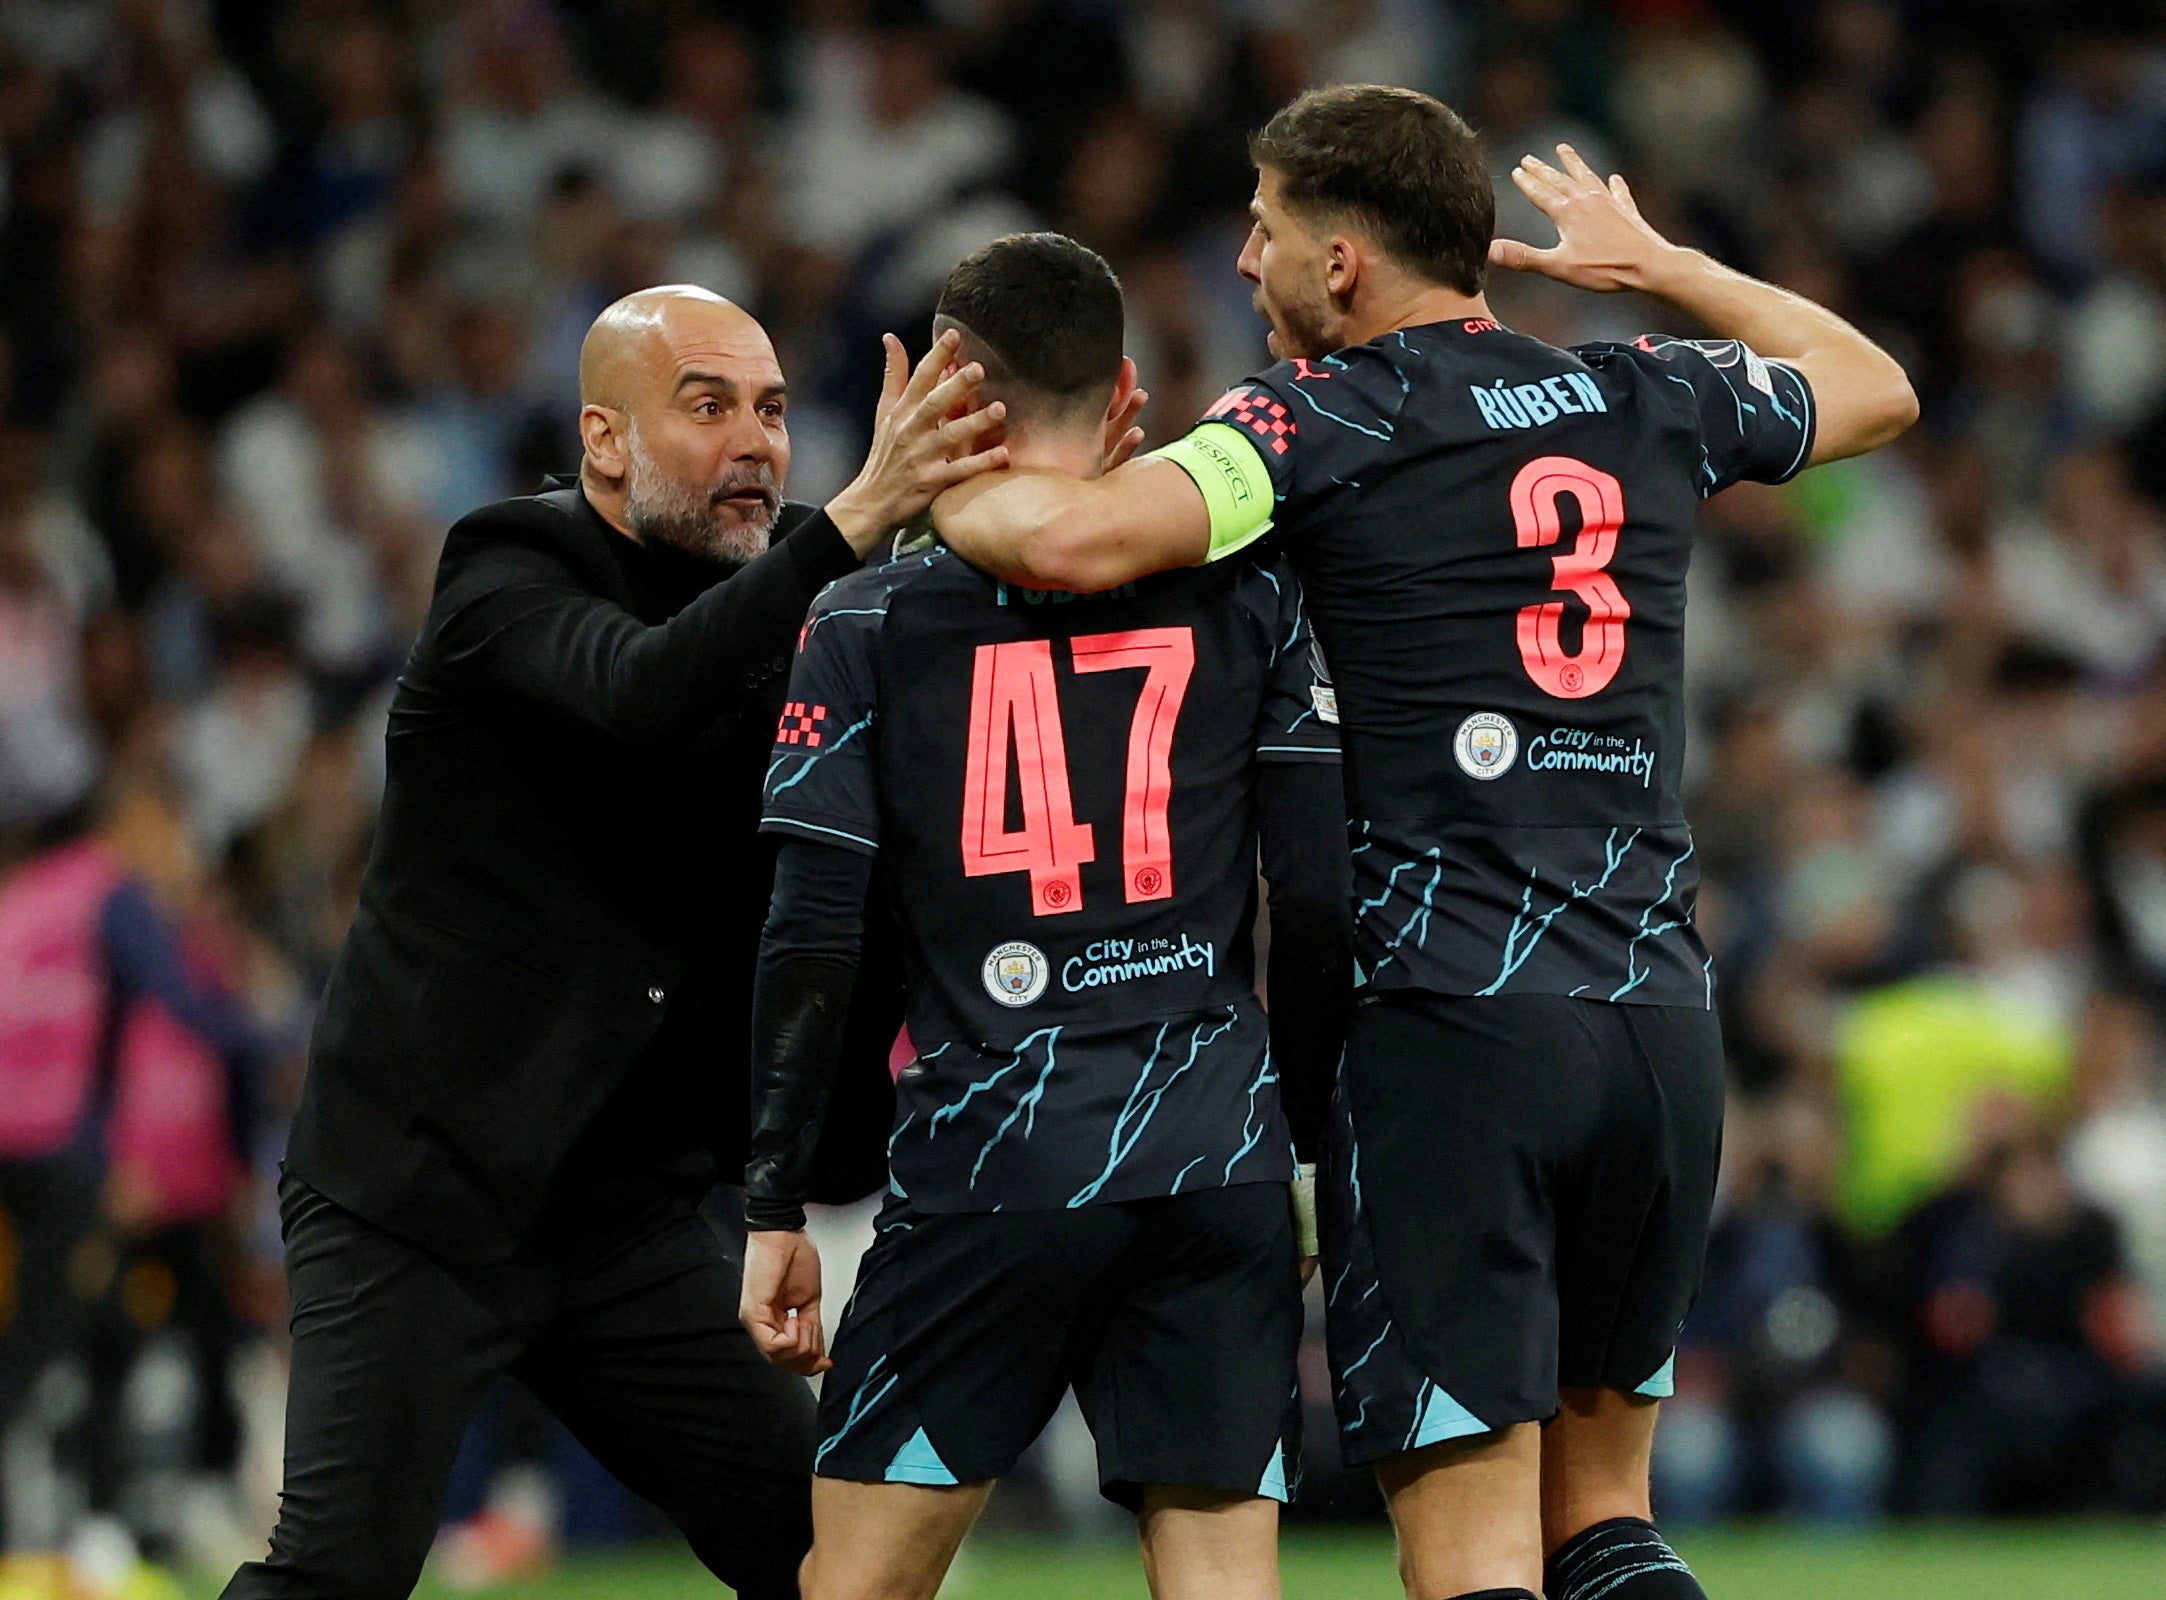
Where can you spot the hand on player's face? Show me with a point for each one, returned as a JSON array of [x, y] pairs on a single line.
[[925, 438], [1603, 243], [780, 1301]]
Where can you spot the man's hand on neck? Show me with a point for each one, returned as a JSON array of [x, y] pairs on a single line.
[[921, 444]]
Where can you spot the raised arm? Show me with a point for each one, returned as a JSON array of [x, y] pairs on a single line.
[[1861, 395]]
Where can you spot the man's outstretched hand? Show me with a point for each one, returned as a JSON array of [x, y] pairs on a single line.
[[923, 441], [1603, 243], [1861, 397], [780, 1302]]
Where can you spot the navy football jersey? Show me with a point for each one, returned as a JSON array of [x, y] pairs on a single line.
[[1493, 534], [1060, 788]]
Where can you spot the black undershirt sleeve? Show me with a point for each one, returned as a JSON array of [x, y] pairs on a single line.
[[1301, 817], [800, 1012]]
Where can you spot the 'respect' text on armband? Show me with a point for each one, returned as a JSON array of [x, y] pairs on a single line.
[[1235, 482]]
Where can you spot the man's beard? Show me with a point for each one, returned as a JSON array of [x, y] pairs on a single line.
[[693, 518], [1297, 326]]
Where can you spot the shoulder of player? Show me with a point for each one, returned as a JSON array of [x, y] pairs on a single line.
[[1375, 375], [863, 600], [1264, 580], [1668, 357], [1653, 366], [1262, 590], [1687, 373], [1350, 398]]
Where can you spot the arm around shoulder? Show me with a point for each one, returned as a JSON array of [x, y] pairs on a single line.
[[1046, 531]]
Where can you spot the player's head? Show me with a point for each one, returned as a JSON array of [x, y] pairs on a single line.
[[1361, 187], [681, 421], [1043, 315]]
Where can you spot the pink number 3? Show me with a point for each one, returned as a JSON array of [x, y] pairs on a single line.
[[1537, 492], [1013, 705]]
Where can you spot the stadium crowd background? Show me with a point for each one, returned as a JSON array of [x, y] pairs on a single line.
[[288, 285]]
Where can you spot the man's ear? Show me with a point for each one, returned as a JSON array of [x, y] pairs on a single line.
[[1343, 261], [602, 439]]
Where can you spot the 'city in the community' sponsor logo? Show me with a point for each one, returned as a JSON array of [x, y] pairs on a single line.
[[1015, 973], [1110, 961], [1564, 749], [1486, 745]]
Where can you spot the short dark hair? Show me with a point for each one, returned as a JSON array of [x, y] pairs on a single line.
[[1044, 315], [1402, 167]]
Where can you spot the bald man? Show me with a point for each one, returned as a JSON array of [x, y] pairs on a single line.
[[531, 1060]]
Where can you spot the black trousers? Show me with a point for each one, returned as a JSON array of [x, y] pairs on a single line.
[[49, 1208], [621, 1316]]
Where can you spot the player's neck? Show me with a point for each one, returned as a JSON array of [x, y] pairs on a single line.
[[1413, 306], [1079, 455]]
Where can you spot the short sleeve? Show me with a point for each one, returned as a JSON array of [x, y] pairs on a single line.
[[1304, 428], [1755, 416], [821, 781], [1299, 719]]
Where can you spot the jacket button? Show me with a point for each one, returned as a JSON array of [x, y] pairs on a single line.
[[655, 994]]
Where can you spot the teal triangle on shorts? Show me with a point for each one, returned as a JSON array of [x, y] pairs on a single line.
[[918, 1462], [1273, 1486], [1442, 1418], [1664, 1383]]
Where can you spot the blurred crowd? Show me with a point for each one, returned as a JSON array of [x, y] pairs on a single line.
[[288, 285]]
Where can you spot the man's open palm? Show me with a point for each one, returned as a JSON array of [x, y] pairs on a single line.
[[1603, 243]]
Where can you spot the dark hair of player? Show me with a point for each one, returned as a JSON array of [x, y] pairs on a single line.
[[1043, 314], [1399, 166]]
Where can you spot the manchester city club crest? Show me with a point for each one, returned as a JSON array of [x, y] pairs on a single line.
[[1015, 973], [1486, 745]]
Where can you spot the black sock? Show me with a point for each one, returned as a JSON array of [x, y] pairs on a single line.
[[1621, 1559], [1497, 1594]]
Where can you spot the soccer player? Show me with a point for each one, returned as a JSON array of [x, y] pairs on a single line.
[[1493, 534], [1090, 1162]]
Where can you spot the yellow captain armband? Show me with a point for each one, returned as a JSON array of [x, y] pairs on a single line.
[[1235, 482]]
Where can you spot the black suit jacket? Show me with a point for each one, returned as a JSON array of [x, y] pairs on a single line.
[[568, 834]]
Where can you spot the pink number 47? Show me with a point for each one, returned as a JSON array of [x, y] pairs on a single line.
[[1014, 705]]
